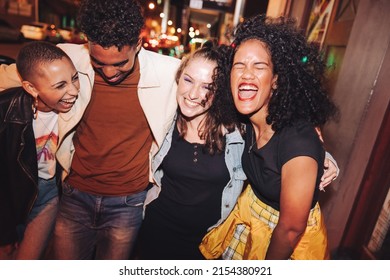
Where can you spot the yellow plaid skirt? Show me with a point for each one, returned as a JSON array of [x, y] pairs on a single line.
[[246, 233]]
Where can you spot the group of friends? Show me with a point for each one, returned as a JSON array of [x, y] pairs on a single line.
[[109, 151]]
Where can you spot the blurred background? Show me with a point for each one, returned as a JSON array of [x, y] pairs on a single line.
[[353, 36], [173, 27]]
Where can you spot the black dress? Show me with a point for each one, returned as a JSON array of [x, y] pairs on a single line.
[[188, 204]]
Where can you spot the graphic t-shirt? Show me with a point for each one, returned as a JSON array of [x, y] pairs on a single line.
[[46, 140]]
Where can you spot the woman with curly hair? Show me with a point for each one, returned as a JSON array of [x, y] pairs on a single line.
[[197, 171], [277, 83]]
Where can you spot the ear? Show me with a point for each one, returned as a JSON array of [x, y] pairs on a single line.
[[139, 45], [29, 87], [274, 82]]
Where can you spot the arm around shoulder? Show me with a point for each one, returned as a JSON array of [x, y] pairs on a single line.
[[9, 76], [331, 171]]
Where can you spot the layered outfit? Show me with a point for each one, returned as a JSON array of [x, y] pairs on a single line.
[[91, 187], [108, 165], [247, 232], [194, 192], [28, 192], [18, 164]]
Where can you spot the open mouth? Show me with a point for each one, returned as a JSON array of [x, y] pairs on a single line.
[[68, 102], [114, 79], [190, 103], [247, 91]]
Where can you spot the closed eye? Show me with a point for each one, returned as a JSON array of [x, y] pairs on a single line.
[[120, 64], [61, 85], [261, 65], [98, 63], [207, 87], [238, 65], [75, 77], [187, 80]]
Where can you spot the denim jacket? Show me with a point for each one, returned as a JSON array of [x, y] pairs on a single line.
[[233, 152]]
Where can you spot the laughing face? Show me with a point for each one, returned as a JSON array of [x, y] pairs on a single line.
[[252, 78], [112, 64], [193, 91], [55, 84]]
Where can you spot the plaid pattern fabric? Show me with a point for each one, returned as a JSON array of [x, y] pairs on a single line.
[[270, 216], [259, 210], [239, 238], [262, 211]]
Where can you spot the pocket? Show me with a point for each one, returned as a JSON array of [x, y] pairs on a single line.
[[136, 200], [238, 173], [67, 189]]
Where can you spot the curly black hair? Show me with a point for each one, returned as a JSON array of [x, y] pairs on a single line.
[[300, 92], [111, 22], [222, 114]]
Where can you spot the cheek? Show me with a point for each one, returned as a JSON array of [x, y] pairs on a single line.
[[51, 99], [128, 67], [234, 91], [209, 102], [77, 84], [181, 89], [233, 85], [203, 96], [236, 73]]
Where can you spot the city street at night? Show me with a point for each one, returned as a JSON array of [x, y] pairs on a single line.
[[10, 49], [121, 77]]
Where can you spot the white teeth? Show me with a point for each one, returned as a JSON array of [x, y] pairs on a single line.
[[247, 87], [191, 103], [69, 101]]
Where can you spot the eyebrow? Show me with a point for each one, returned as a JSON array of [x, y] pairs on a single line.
[[103, 64], [189, 76]]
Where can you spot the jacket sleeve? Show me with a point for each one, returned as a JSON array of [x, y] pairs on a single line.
[[9, 76], [7, 222]]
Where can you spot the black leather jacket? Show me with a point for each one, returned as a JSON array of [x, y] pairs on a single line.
[[18, 162]]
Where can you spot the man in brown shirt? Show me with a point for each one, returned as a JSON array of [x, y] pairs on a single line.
[[131, 107]]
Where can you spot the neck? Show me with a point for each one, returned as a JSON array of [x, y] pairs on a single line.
[[263, 131], [258, 121], [192, 134]]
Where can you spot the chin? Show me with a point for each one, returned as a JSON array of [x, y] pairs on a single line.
[[64, 110], [245, 110]]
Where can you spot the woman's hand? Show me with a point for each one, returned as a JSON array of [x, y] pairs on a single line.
[[331, 171]]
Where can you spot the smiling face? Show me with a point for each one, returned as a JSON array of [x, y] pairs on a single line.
[[112, 64], [193, 91], [55, 84], [252, 78]]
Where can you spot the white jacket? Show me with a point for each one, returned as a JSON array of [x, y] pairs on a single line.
[[156, 92]]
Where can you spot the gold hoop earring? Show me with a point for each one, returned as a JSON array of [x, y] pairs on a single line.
[[34, 107]]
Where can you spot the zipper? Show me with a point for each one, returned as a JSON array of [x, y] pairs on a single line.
[[28, 174]]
